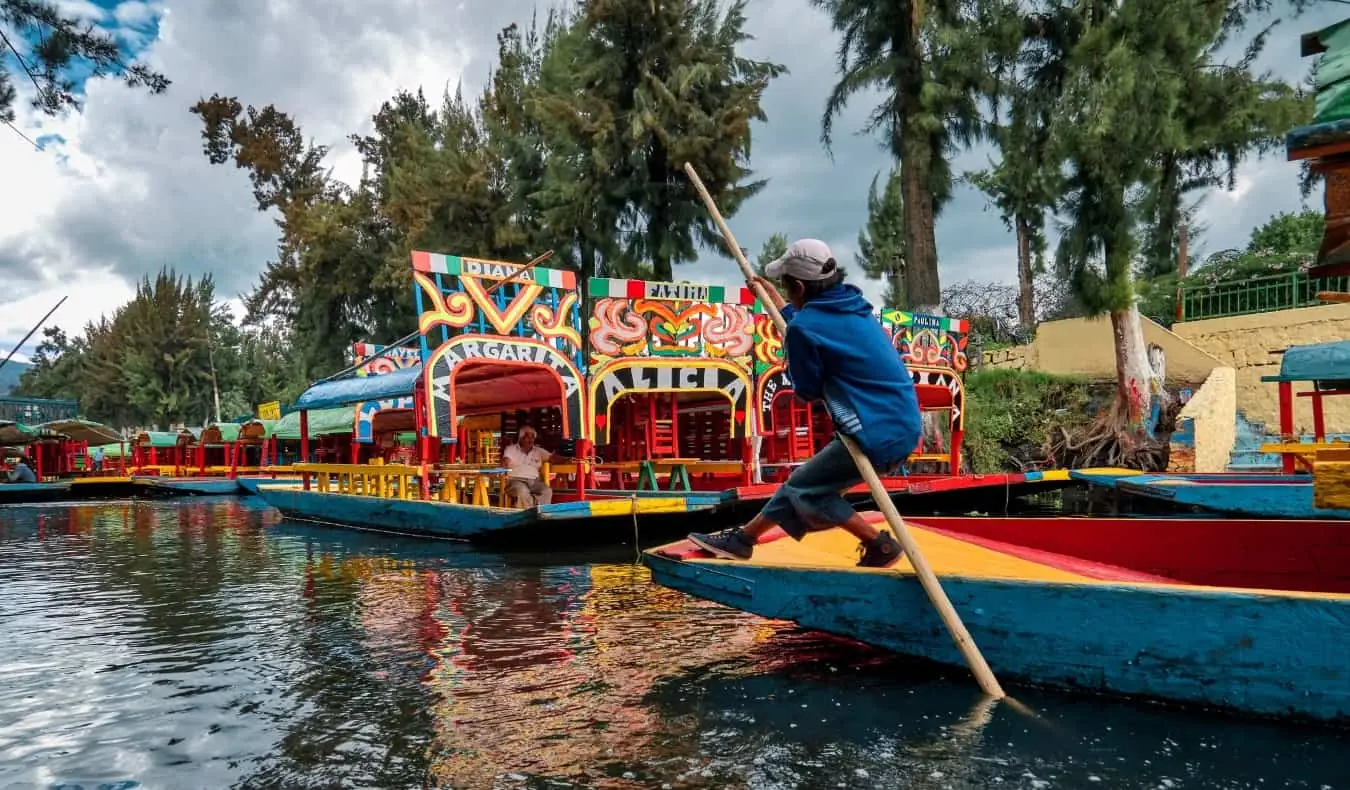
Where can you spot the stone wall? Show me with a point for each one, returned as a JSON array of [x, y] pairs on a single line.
[[1245, 343]]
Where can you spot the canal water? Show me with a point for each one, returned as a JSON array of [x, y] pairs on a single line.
[[206, 645]]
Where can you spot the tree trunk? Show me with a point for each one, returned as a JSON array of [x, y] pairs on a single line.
[[1026, 293], [1136, 382], [923, 290]]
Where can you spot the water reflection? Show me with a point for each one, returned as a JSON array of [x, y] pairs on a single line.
[[207, 645]]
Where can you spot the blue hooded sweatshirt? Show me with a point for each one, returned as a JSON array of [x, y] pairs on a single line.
[[837, 352]]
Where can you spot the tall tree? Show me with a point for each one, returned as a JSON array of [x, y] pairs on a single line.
[[637, 89], [881, 243], [930, 61], [1123, 106], [1228, 113], [156, 360], [55, 50]]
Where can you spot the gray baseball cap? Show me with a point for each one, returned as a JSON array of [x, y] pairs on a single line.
[[805, 259]]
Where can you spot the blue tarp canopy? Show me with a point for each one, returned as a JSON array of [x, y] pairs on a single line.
[[359, 389], [1321, 362]]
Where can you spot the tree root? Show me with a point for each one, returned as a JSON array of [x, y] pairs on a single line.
[[1110, 441]]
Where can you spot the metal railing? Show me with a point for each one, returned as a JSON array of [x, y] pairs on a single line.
[[1256, 295]]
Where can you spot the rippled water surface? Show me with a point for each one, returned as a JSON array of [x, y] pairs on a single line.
[[206, 645]]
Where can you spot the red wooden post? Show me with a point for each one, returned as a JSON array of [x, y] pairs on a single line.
[[1287, 460]]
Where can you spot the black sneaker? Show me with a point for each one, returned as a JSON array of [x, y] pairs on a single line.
[[883, 551], [729, 544]]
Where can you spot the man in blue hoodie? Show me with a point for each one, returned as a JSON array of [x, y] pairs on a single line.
[[838, 353]]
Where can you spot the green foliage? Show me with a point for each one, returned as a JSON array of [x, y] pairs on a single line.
[[51, 46], [933, 65], [1012, 414], [158, 359], [576, 144], [628, 94], [881, 243], [1286, 243], [774, 248], [1134, 115]]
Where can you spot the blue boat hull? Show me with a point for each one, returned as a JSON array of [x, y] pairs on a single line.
[[197, 486], [1264, 654], [563, 523], [70, 491], [1292, 498]]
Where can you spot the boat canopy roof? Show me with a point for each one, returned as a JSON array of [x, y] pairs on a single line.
[[1328, 362], [162, 439], [17, 433], [94, 433], [359, 389], [322, 422]]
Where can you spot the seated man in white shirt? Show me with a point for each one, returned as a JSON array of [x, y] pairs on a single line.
[[524, 459]]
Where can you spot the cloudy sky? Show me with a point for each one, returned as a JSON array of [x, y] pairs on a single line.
[[122, 189]]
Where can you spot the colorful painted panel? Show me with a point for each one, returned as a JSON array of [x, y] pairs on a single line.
[[392, 360], [669, 337], [633, 318], [928, 341], [770, 365], [476, 312], [666, 375], [365, 413]]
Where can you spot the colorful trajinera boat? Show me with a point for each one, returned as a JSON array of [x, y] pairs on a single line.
[[1204, 612], [658, 393]]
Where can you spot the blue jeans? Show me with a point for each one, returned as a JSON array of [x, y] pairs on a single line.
[[812, 498]]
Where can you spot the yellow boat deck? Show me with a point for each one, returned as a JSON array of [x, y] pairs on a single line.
[[955, 557]]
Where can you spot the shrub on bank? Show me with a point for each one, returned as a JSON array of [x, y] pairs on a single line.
[[1012, 414]]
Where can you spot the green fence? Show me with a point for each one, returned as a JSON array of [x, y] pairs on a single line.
[[1256, 295]]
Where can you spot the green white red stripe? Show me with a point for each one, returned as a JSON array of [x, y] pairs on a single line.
[[602, 287], [435, 263]]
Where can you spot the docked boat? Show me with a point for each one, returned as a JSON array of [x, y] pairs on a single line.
[[637, 517], [1245, 615]]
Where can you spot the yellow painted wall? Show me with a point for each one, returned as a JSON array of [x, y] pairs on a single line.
[[1244, 343], [1212, 413], [1084, 347]]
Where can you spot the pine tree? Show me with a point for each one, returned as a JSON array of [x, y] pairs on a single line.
[[631, 92], [881, 243], [774, 248], [55, 51], [1126, 84], [931, 63]]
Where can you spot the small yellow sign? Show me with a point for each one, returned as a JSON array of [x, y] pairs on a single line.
[[270, 410]]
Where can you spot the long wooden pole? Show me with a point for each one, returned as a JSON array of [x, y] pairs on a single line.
[[974, 658], [541, 259], [35, 328]]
